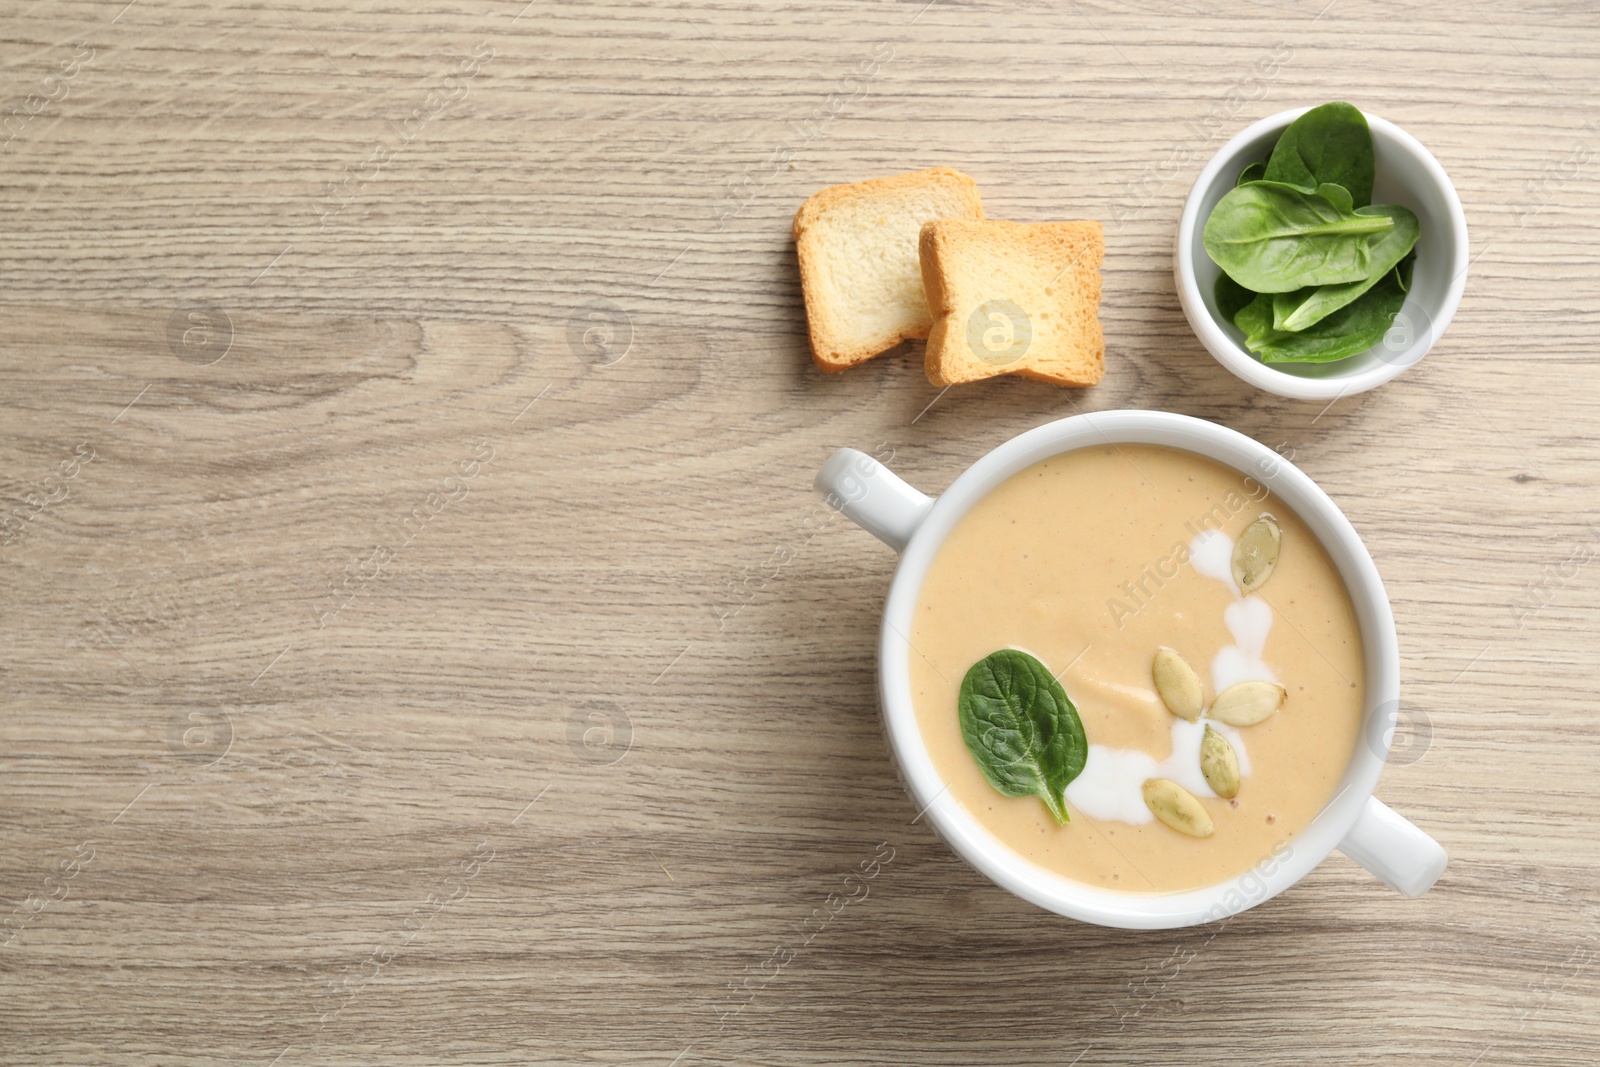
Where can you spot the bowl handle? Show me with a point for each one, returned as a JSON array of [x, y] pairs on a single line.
[[1391, 847], [871, 496]]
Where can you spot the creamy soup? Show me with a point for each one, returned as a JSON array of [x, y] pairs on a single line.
[[1091, 561]]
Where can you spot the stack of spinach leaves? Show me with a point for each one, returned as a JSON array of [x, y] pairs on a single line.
[[1313, 271]]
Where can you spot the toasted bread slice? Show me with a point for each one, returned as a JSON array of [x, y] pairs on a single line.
[[858, 260], [1014, 298]]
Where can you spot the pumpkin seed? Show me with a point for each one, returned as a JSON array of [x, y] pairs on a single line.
[[1248, 703], [1177, 807], [1220, 764], [1178, 685], [1256, 553]]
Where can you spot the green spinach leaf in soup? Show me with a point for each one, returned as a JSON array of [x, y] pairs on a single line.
[[1022, 729], [1305, 307], [1276, 238], [1332, 144], [1346, 332]]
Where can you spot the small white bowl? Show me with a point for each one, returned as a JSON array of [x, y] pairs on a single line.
[[1407, 174]]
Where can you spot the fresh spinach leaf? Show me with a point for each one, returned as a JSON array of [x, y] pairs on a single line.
[[1231, 296], [1255, 319], [1275, 238], [1303, 307], [1022, 728], [1402, 271], [1331, 143], [1253, 173], [1349, 331], [1311, 271], [1337, 195]]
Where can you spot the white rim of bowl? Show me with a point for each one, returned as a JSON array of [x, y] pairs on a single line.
[[996, 860], [1227, 352]]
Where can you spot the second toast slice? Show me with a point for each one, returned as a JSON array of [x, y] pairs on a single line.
[[1013, 298]]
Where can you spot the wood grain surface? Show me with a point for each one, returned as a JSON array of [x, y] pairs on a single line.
[[421, 643]]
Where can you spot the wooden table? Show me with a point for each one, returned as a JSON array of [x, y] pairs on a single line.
[[421, 643]]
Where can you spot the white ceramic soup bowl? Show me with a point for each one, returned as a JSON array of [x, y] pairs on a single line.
[[1407, 174], [1354, 821]]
